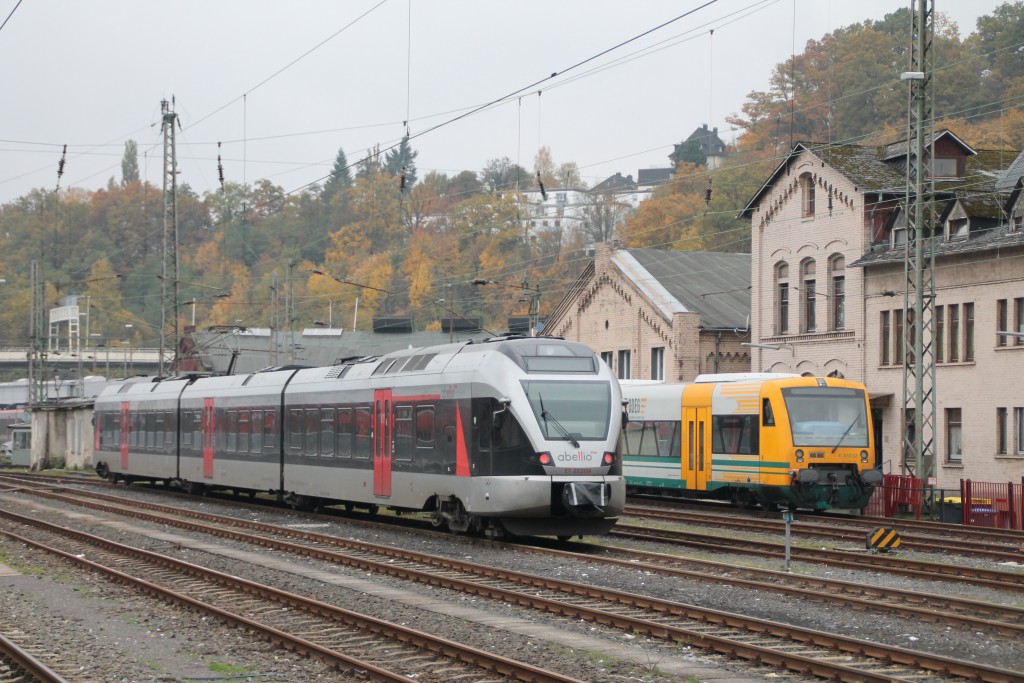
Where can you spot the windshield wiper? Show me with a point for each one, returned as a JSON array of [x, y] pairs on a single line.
[[557, 425], [846, 433]]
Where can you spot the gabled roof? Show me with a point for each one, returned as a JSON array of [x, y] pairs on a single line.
[[715, 285], [997, 238], [899, 149], [653, 176], [1008, 180], [860, 164], [615, 183]]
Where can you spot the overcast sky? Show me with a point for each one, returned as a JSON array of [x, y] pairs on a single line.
[[284, 85]]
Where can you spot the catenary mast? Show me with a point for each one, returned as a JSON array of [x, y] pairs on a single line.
[[919, 296]]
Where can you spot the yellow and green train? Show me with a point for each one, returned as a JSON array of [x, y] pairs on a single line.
[[752, 438]]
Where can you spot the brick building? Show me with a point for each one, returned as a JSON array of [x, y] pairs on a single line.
[[828, 241], [663, 315]]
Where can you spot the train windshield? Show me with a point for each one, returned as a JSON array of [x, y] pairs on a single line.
[[827, 416], [571, 411]]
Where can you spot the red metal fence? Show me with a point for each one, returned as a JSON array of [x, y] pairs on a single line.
[[976, 503]]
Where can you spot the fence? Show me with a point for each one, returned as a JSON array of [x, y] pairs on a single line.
[[975, 503]]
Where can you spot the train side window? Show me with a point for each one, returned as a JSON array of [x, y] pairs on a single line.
[[631, 436], [149, 418], [343, 449], [231, 432], [404, 433], [295, 418], [363, 441], [171, 430], [133, 430], [158, 430], [270, 430], [197, 430], [186, 428], [311, 437], [256, 432], [735, 434], [327, 432], [691, 443], [243, 431], [767, 416], [425, 427]]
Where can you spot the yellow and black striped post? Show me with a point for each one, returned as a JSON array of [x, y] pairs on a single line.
[[883, 539]]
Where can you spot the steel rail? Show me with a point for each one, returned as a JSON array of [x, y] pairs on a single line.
[[813, 528], [1002, 580], [998, 619], [23, 661], [718, 631], [438, 646]]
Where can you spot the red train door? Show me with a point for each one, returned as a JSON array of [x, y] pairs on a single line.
[[125, 432], [209, 437], [382, 445]]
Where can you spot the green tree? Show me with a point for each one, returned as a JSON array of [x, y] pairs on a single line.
[[402, 159], [340, 178], [130, 163]]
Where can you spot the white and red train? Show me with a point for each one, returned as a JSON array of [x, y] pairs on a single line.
[[513, 435]]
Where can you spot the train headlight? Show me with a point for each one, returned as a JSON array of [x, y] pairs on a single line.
[[545, 459], [864, 457], [608, 458], [799, 455]]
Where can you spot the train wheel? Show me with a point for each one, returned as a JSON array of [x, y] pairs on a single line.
[[373, 509]]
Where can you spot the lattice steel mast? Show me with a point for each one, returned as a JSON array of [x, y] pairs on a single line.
[[919, 297], [169, 279]]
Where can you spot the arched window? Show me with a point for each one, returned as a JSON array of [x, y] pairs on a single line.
[[837, 291], [807, 195], [808, 296], [781, 298]]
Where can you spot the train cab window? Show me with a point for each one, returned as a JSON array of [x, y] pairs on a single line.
[[256, 432], [363, 441], [295, 425], [508, 433], [767, 416], [425, 427], [243, 431], [343, 441], [311, 436], [734, 434], [404, 433], [327, 432]]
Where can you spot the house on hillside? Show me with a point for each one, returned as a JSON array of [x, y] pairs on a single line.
[[828, 237], [661, 315], [710, 145]]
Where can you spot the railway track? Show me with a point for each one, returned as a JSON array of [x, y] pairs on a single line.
[[990, 547], [18, 663], [378, 650], [796, 649]]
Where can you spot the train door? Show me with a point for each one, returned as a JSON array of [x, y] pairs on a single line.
[[382, 444], [209, 437], [448, 450], [125, 427], [697, 453]]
